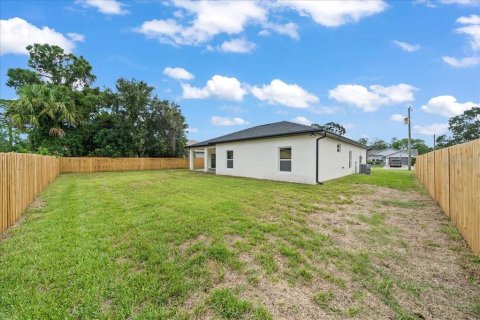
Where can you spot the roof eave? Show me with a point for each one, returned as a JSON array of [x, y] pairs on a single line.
[[329, 134], [205, 144]]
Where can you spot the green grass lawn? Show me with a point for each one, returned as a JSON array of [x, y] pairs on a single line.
[[396, 179], [159, 244]]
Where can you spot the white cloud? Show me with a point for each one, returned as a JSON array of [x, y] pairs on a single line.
[[290, 95], [104, 6], [433, 3], [290, 29], [164, 30], [405, 46], [178, 73], [192, 130], [431, 129], [461, 2], [225, 121], [198, 22], [219, 87], [447, 106], [461, 63], [335, 13], [470, 28], [302, 120], [16, 34], [76, 37], [190, 92], [370, 100], [239, 45], [397, 117], [427, 3], [209, 18], [264, 33], [472, 19]]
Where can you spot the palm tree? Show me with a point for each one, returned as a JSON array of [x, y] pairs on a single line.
[[43, 105]]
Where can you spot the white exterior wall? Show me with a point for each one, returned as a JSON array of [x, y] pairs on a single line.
[[259, 158], [333, 164]]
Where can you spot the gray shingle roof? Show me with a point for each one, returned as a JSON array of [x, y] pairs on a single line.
[[390, 151], [283, 128]]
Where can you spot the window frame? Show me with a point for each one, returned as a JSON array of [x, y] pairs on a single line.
[[228, 159], [285, 160], [339, 147]]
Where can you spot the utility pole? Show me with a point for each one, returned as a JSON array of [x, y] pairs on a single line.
[[409, 139]]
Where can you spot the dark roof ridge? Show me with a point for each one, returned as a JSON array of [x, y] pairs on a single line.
[[275, 129]]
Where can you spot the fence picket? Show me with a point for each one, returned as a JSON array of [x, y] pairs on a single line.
[[23, 176], [452, 177]]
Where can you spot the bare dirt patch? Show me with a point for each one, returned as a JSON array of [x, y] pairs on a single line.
[[38, 203], [188, 245], [421, 271]]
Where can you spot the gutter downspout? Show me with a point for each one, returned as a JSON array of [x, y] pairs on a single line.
[[316, 142]]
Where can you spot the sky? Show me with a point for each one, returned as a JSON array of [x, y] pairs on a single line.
[[233, 65]]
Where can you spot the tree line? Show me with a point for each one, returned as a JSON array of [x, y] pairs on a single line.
[[59, 112], [462, 128]]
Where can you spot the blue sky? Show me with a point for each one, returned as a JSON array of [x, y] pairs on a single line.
[[231, 65]]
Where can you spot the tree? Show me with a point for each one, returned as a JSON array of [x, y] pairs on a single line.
[[363, 141], [41, 105], [464, 128], [61, 113], [131, 103], [166, 129], [379, 144], [443, 141], [418, 144], [18, 78], [60, 68], [137, 123], [55, 99], [11, 139], [332, 127], [42, 109]]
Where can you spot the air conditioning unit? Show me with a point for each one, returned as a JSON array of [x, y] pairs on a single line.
[[365, 168]]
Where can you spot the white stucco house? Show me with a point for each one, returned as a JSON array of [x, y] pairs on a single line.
[[283, 151]]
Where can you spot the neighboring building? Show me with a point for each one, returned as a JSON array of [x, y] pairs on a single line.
[[283, 151], [383, 156]]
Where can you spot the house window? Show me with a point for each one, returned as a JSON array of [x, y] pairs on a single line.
[[339, 147], [349, 159], [230, 159], [285, 159]]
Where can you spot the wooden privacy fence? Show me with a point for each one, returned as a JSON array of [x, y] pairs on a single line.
[[23, 176], [124, 164], [452, 177]]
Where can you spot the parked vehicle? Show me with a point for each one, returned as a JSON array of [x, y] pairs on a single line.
[[395, 162]]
